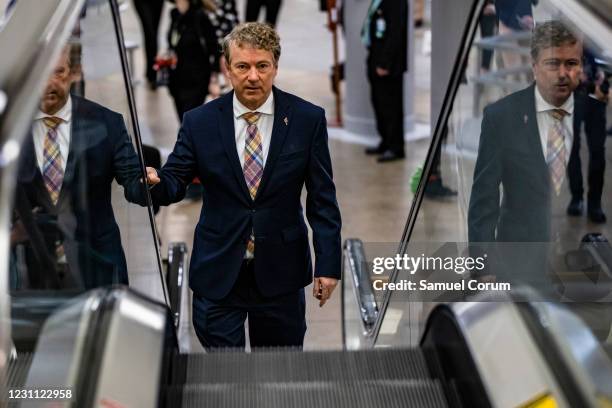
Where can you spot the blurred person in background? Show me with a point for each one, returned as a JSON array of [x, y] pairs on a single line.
[[223, 19], [514, 16], [272, 8], [149, 13], [385, 35], [488, 25], [192, 40], [591, 103]]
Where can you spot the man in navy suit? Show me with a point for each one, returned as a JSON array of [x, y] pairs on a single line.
[[525, 144], [525, 148], [254, 149], [72, 155]]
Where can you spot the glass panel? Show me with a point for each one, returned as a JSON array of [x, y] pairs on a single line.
[[74, 223], [506, 182]]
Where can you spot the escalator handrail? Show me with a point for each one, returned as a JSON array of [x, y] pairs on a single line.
[[127, 78], [354, 256]]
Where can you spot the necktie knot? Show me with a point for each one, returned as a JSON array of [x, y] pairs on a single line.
[[557, 114], [52, 122], [251, 117]]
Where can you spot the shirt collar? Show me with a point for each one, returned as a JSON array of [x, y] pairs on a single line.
[[267, 108], [543, 106], [65, 113]]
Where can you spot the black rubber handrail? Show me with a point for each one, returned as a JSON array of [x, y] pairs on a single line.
[[127, 78]]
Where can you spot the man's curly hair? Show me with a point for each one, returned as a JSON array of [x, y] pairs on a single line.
[[253, 35]]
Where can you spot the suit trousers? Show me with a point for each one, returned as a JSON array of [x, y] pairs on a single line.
[[272, 9], [592, 113], [278, 321], [387, 96]]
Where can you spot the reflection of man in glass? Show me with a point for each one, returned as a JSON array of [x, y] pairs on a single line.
[[525, 144], [74, 152]]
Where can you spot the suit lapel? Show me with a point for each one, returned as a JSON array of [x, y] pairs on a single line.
[[30, 174], [77, 144], [228, 137], [282, 118], [529, 118]]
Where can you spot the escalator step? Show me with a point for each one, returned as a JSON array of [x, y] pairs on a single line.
[[16, 375], [360, 394], [287, 366], [18, 370]]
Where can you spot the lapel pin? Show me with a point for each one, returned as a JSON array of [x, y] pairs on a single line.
[[525, 119], [286, 121]]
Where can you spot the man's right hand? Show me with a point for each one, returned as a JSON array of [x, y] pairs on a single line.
[[152, 177]]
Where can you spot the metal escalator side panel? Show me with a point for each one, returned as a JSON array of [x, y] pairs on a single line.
[[578, 359], [130, 365], [510, 363], [62, 345], [450, 360], [105, 346]]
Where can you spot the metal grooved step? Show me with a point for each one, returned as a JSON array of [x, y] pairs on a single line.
[[358, 394], [386, 378], [18, 370], [285, 366]]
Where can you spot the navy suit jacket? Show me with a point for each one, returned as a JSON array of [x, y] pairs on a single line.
[[100, 151], [510, 154], [298, 156]]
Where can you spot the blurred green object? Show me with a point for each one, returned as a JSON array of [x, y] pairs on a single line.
[[414, 180]]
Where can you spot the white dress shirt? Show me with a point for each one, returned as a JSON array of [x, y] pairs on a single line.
[[39, 132], [264, 124], [545, 121]]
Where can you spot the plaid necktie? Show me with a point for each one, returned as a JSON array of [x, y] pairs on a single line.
[[253, 163], [555, 149], [52, 171]]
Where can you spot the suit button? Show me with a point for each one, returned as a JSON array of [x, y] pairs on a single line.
[[253, 211]]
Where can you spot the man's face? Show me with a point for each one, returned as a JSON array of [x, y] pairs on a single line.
[[56, 93], [251, 72], [557, 72]]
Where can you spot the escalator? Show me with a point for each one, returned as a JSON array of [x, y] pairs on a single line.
[[367, 378], [117, 347]]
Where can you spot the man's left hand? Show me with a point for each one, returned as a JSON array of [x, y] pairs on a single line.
[[322, 289]]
